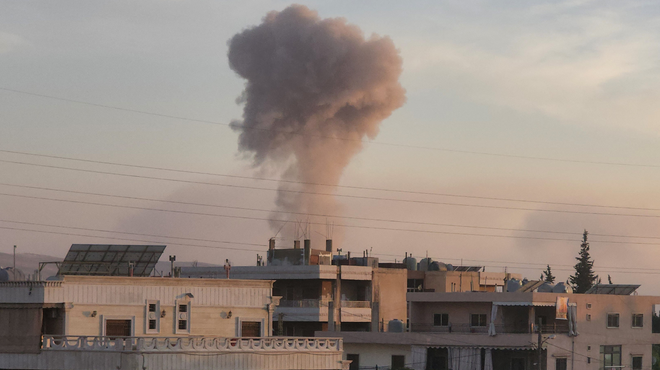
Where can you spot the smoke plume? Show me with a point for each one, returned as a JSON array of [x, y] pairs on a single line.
[[314, 89]]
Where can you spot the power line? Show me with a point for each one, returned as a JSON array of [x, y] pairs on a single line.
[[314, 223], [327, 194], [407, 146], [508, 263], [321, 184], [317, 214], [117, 238]]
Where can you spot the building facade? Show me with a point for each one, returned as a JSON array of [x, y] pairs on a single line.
[[482, 330], [87, 322]]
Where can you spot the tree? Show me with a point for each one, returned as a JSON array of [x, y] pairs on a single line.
[[584, 277], [547, 276]]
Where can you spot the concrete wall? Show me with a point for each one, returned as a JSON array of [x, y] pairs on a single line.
[[204, 320], [380, 355], [390, 291], [91, 360]]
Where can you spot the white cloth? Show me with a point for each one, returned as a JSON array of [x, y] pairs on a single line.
[[418, 357], [572, 321], [461, 358], [493, 315], [488, 359]]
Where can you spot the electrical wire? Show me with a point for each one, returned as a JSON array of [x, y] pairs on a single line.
[[396, 145], [316, 223], [321, 184], [315, 214], [329, 194]]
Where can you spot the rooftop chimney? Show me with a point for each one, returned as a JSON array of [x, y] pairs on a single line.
[[271, 244], [307, 250], [296, 244], [328, 245]]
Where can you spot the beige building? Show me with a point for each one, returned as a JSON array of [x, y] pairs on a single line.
[[87, 322], [482, 330], [319, 293]]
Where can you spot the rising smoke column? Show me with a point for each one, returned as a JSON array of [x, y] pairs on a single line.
[[314, 89]]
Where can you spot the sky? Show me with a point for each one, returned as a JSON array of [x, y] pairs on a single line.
[[524, 124]]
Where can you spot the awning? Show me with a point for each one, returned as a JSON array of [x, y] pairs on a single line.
[[545, 304]]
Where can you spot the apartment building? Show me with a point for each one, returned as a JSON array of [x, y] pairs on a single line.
[[608, 328], [321, 291], [104, 312]]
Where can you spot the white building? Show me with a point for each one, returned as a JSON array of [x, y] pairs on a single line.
[[85, 322]]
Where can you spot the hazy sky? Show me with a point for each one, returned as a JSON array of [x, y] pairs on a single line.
[[575, 81]]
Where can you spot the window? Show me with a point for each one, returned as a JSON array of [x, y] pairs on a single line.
[[355, 358], [152, 319], [561, 364], [588, 306], [612, 320], [250, 329], [588, 317], [637, 363], [182, 317], [637, 320], [441, 319], [478, 319], [610, 356], [398, 362]]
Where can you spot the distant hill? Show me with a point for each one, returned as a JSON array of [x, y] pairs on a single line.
[[29, 262]]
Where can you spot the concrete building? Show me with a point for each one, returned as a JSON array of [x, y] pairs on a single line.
[[606, 329], [323, 292], [436, 276], [108, 322]]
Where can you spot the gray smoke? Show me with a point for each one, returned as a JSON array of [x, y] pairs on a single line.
[[314, 89]]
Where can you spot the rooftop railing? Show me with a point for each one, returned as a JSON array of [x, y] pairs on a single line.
[[189, 344]]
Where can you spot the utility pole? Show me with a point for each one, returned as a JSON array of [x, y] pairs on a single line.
[[172, 259], [14, 262], [538, 349]]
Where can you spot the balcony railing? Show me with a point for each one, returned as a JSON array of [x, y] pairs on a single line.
[[558, 327], [304, 303], [190, 344], [467, 328], [316, 303], [356, 304]]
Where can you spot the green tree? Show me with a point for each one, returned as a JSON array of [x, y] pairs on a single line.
[[584, 277], [548, 277]]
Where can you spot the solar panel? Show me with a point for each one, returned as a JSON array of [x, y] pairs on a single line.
[[110, 260], [617, 289]]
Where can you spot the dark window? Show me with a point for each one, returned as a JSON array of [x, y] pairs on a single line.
[[118, 328], [637, 320], [355, 364], [152, 307], [637, 363], [183, 324], [441, 319], [251, 329], [612, 320], [183, 308], [398, 362], [610, 356], [152, 324], [478, 319], [561, 364]]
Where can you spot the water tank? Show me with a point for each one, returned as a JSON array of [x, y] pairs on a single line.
[[450, 267], [411, 263], [438, 266], [395, 326], [424, 264], [562, 288], [513, 285]]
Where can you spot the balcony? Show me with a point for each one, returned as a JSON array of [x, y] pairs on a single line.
[[304, 303], [189, 344], [558, 327]]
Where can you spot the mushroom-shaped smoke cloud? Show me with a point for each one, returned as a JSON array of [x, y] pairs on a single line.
[[315, 88]]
